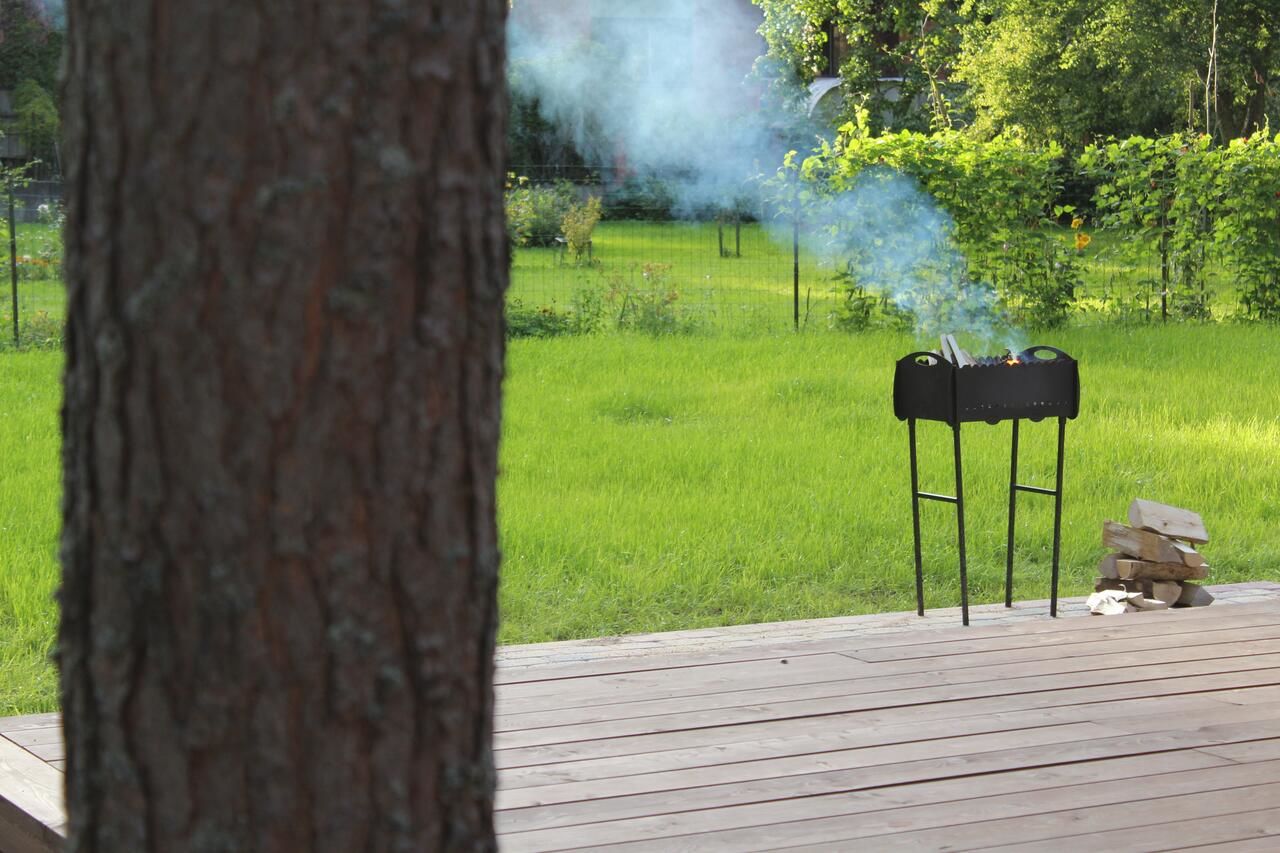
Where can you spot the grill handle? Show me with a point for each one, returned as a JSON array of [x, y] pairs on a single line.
[[927, 359], [1032, 354]]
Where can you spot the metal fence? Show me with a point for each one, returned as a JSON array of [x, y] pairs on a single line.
[[34, 195], [34, 303], [657, 259]]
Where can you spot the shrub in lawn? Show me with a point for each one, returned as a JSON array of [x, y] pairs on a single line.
[[859, 310], [585, 315], [36, 331], [542, 321], [535, 213], [649, 304], [1042, 278], [578, 226]]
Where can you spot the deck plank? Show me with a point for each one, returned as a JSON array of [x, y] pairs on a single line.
[[817, 820], [570, 664], [843, 682], [1035, 689], [9, 725], [30, 800], [1237, 812], [665, 684], [1114, 719], [606, 801]]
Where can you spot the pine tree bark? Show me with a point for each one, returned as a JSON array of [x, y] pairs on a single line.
[[286, 261]]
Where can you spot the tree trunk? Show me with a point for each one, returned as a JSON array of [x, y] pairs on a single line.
[[286, 259]]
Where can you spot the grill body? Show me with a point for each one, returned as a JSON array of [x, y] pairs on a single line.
[[927, 387], [1044, 383]]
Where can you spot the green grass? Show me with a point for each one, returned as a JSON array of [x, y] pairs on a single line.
[[653, 484], [30, 393]]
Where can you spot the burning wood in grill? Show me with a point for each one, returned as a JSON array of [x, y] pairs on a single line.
[[956, 354], [1152, 569], [951, 351]]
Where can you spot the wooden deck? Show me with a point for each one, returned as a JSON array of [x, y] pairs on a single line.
[[1155, 731]]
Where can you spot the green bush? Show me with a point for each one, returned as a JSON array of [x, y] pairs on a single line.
[[1156, 194], [649, 304], [1184, 199], [535, 213], [1246, 186], [994, 201], [585, 315], [543, 321], [578, 225], [36, 331], [646, 198]]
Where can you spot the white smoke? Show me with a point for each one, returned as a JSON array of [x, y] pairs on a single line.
[[663, 87], [891, 238], [660, 87]]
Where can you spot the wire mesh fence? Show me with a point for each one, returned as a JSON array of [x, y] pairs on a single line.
[[662, 259], [34, 296], [659, 261]]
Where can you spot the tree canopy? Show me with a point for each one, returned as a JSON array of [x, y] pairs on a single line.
[[1068, 71]]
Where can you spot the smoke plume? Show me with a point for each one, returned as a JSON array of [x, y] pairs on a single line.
[[657, 88], [663, 88], [889, 237]]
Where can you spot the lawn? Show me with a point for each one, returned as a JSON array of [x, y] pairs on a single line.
[[652, 484], [30, 394]]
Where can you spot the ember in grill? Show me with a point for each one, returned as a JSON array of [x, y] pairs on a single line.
[[955, 388]]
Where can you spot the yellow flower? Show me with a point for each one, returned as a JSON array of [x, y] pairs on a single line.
[[1082, 241], [1076, 223]]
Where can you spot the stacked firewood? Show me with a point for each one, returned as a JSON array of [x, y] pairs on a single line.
[[1155, 562]]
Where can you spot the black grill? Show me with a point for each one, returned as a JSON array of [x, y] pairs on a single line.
[[928, 387], [1041, 382]]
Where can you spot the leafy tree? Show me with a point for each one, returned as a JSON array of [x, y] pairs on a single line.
[[37, 118], [1070, 71], [892, 56], [30, 48], [1076, 70]]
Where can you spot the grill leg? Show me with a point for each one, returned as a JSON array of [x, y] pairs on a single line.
[[964, 564], [1013, 511], [915, 517], [1057, 517]]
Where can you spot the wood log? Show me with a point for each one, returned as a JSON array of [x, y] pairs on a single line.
[[1145, 545], [1171, 521], [1190, 556], [1194, 595], [1143, 570], [1107, 568], [961, 358], [1170, 592], [1105, 584], [1167, 591]]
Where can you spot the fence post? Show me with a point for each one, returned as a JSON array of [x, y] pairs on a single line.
[[795, 266], [13, 264]]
